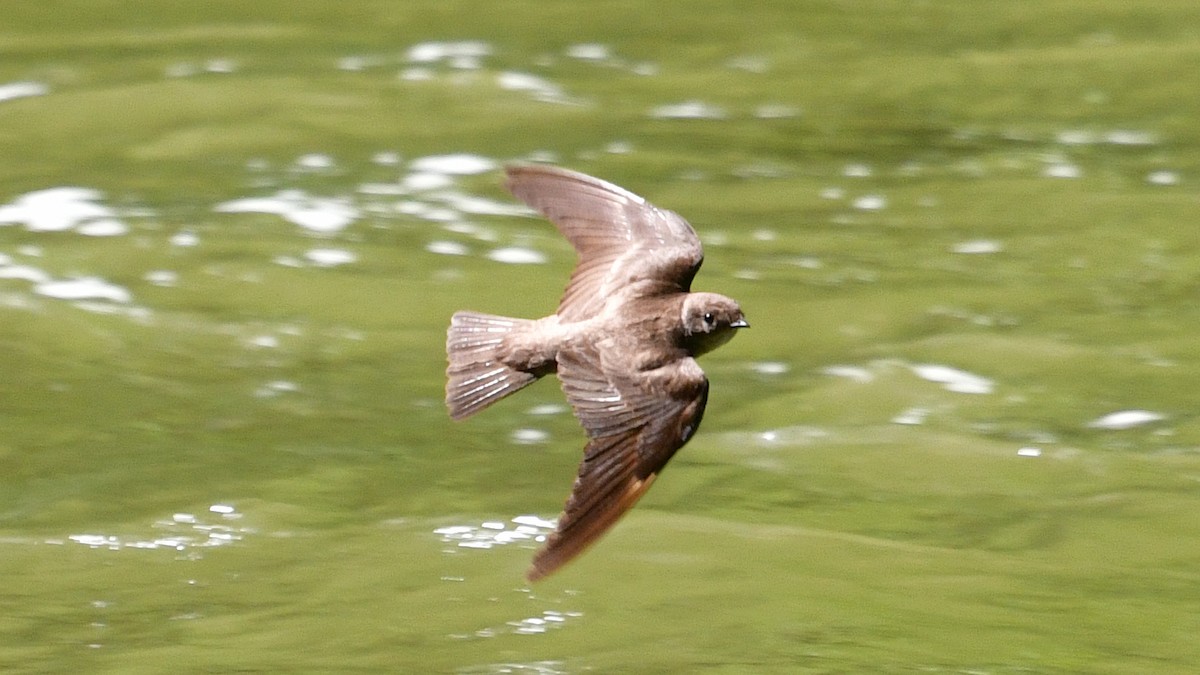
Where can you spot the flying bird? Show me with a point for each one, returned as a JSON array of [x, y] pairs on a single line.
[[623, 342]]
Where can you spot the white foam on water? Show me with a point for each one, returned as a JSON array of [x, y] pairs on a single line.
[[1163, 177], [953, 379], [185, 239], [83, 288], [60, 209], [1062, 170], [1126, 419], [315, 161], [459, 164], [222, 66], [769, 367], [275, 388], [460, 52], [535, 521], [107, 227], [15, 90], [529, 436], [856, 373], [547, 409], [1128, 137], [424, 182], [1131, 137], [978, 247], [162, 277], [481, 206], [490, 534], [446, 248], [24, 272], [470, 229], [181, 532], [330, 257], [386, 158], [539, 87], [619, 148], [1075, 137], [857, 171], [264, 341], [536, 625], [749, 63], [645, 69], [689, 110], [316, 214], [516, 255], [911, 417], [589, 51], [870, 203]]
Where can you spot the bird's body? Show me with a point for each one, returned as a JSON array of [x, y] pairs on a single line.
[[623, 343]]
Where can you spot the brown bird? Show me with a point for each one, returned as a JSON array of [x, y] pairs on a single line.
[[623, 342]]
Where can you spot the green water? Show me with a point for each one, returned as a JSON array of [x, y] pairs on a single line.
[[223, 447]]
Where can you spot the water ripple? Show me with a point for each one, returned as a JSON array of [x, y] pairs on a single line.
[[182, 532], [1126, 419], [953, 379], [317, 214], [490, 534], [14, 90], [689, 110], [59, 209]]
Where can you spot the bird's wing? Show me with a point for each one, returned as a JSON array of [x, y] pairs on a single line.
[[635, 423], [621, 238]]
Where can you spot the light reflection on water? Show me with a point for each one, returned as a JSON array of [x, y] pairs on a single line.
[[183, 532], [15, 90], [528, 529], [328, 199], [547, 620], [534, 667], [425, 191], [953, 379]]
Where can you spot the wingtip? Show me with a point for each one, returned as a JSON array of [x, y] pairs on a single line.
[[545, 562], [534, 575], [513, 170]]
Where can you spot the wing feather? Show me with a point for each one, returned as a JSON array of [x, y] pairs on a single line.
[[621, 239], [634, 425]]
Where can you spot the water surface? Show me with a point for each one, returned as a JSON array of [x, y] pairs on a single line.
[[960, 436]]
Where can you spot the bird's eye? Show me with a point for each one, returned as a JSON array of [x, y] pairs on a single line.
[[708, 318]]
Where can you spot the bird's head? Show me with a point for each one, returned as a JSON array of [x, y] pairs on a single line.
[[709, 321]]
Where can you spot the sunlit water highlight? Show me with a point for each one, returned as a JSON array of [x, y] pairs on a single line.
[[965, 398]]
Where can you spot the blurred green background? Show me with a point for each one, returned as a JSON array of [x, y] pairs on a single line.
[[960, 436]]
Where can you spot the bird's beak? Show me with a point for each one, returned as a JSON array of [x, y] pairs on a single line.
[[740, 323]]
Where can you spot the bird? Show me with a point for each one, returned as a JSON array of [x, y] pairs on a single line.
[[623, 342]]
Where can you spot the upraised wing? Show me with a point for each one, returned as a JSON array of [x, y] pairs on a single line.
[[621, 239]]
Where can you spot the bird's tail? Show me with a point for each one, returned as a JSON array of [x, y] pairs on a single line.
[[476, 378]]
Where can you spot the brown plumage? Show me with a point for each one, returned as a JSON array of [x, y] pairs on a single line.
[[623, 343]]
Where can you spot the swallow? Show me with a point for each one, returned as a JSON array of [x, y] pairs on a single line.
[[623, 343]]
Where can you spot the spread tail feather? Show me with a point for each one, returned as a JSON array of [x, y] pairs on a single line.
[[476, 378]]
